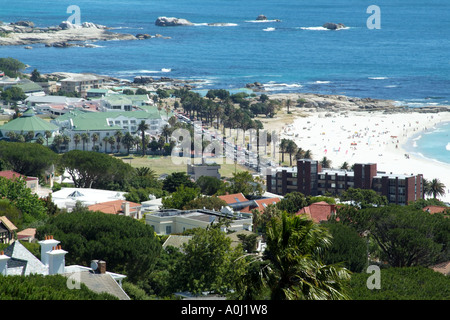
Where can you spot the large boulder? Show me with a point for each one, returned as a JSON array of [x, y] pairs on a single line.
[[29, 24], [67, 25], [333, 26], [172, 22], [261, 17]]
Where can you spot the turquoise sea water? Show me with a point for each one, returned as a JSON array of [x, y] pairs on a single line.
[[407, 60], [433, 143]]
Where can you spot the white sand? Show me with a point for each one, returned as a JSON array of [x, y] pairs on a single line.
[[363, 137]]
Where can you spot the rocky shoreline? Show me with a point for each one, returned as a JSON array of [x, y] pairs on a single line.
[[338, 103], [62, 36]]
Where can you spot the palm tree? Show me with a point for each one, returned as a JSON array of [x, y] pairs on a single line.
[[325, 162], [300, 154], [288, 104], [11, 135], [105, 141], [112, 142], [40, 140], [294, 269], [283, 146], [142, 127], [57, 141], [128, 141], [85, 139], [433, 188], [119, 136], [94, 138], [77, 140], [47, 135], [66, 141], [308, 154], [291, 148], [166, 132], [345, 165]]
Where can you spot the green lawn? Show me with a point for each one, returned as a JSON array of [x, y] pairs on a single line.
[[162, 165]]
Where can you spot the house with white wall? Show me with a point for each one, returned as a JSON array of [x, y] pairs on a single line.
[[17, 260]]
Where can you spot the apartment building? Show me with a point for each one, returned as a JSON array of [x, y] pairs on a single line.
[[309, 178]]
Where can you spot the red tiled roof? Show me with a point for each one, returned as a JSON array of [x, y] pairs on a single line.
[[112, 207], [434, 209], [319, 211], [29, 232], [261, 204], [231, 198], [9, 174]]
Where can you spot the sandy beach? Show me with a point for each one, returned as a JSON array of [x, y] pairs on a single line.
[[369, 137]]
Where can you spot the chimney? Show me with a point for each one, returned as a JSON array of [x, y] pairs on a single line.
[[4, 263], [56, 260], [101, 266], [126, 208], [46, 245]]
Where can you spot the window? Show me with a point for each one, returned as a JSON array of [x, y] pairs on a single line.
[[168, 229]]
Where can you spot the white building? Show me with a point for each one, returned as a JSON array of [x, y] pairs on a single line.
[[17, 260], [169, 221]]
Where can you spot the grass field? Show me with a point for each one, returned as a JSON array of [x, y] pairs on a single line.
[[162, 165]]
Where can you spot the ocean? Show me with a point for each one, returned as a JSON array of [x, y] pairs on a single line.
[[407, 59]]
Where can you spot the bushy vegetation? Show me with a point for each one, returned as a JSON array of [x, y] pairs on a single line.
[[411, 283], [129, 246], [39, 287]]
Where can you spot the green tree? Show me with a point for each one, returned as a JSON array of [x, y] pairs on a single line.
[[210, 185], [243, 182], [364, 198], [127, 245], [292, 264], [347, 247], [205, 203], [77, 140], [128, 141], [85, 139], [292, 202], [142, 127], [181, 197], [209, 264], [21, 197], [176, 179], [39, 287], [13, 94], [29, 159], [11, 67], [405, 236], [434, 188], [90, 169], [412, 283]]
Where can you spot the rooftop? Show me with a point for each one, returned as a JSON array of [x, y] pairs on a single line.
[[112, 207], [28, 122]]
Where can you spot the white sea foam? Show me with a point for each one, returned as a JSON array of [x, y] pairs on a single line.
[[314, 28], [322, 28], [219, 24], [447, 147], [378, 78], [322, 82], [262, 21], [269, 29], [272, 86], [143, 71]]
